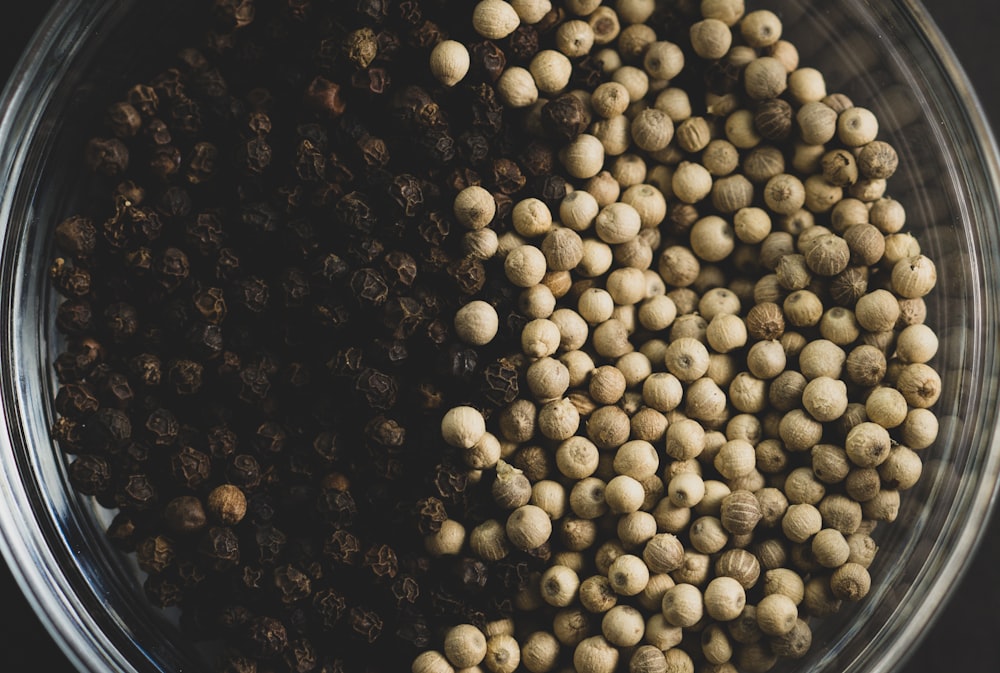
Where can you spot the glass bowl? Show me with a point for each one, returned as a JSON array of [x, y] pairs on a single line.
[[886, 56]]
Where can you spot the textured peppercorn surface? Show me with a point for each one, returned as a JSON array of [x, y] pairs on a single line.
[[267, 299], [261, 294]]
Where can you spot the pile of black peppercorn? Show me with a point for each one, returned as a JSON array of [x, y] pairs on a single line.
[[263, 297]]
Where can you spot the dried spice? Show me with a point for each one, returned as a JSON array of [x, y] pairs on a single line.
[[261, 335]]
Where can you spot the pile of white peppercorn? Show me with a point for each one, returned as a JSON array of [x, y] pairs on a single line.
[[724, 360]]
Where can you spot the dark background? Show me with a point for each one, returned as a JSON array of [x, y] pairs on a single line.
[[965, 635]]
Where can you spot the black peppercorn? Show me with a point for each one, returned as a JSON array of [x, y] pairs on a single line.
[[90, 474], [565, 117], [107, 156], [220, 546], [266, 637]]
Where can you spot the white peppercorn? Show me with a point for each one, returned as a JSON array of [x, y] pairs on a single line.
[[539, 652], [595, 655], [761, 28], [516, 87], [868, 190], [710, 38], [784, 194], [635, 80], [691, 182], [724, 599], [536, 301], [623, 626], [663, 60], [540, 338], [740, 130], [678, 661], [448, 540], [807, 85], [706, 401], [868, 444], [695, 570], [914, 277], [647, 659], [786, 52], [477, 323], [651, 130], [736, 458], [528, 527], [726, 332], [707, 535], [624, 494], [551, 70], [686, 490], [586, 498], [525, 266], [431, 661], [687, 359], [766, 359], [771, 456], [739, 512], [841, 513], [732, 193], [570, 626], [511, 489], [850, 582], [776, 614], [682, 605], [617, 223], [489, 541], [463, 427], [610, 339], [474, 207], [920, 429], [503, 654], [583, 157], [711, 238], [821, 195], [720, 157], [863, 549], [825, 398], [559, 586], [559, 419], [764, 78], [596, 594], [626, 285], [481, 243], [449, 62], [465, 646], [822, 357], [801, 521], [678, 266], [886, 406]]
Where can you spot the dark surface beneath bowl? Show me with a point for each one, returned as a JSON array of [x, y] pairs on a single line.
[[964, 635]]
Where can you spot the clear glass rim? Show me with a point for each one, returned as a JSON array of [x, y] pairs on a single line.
[[24, 545], [895, 644], [53, 596]]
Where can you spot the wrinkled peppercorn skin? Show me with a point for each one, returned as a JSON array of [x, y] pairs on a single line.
[[255, 301]]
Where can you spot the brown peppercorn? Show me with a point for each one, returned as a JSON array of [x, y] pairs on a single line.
[[877, 160], [828, 255], [839, 168], [185, 514], [227, 504], [773, 119], [740, 512], [765, 321]]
